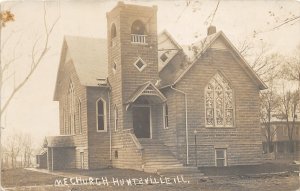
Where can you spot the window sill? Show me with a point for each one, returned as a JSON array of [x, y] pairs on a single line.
[[101, 131], [139, 43], [220, 127]]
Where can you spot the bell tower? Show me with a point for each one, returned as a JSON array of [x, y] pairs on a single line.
[[132, 53]]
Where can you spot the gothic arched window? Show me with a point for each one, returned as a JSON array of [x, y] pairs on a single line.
[[166, 116], [71, 101], [101, 115], [219, 103], [116, 120]]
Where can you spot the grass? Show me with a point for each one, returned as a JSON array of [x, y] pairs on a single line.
[[232, 179], [248, 169], [22, 177]]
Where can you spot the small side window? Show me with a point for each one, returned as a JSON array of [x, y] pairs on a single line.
[[166, 116], [220, 157]]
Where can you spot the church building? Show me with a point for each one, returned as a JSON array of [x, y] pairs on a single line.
[[139, 100]]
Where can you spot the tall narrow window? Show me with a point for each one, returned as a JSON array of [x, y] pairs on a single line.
[[79, 121], [166, 116], [65, 122], [101, 111], [113, 33], [116, 117], [71, 101], [219, 107]]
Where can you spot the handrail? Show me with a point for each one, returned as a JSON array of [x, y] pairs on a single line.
[[136, 141]]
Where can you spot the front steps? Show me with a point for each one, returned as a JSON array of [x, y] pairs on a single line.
[[157, 156]]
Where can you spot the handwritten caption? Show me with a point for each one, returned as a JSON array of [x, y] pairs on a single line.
[[105, 181]]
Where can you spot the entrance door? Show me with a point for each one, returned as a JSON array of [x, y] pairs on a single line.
[[141, 122]]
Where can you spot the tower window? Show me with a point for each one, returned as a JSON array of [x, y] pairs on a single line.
[[114, 67], [113, 31], [163, 57], [138, 28], [138, 32], [140, 64]]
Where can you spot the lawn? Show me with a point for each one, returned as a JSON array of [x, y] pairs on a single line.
[[248, 178], [22, 177]]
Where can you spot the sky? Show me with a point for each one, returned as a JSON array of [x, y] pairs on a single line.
[[33, 110]]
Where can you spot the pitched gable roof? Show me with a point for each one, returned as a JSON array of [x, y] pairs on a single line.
[[89, 56], [167, 47], [146, 89], [59, 141], [201, 48]]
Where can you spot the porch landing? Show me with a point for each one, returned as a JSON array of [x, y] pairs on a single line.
[[159, 159]]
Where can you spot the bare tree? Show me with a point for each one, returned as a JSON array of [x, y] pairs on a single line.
[[291, 68], [264, 63], [270, 102], [13, 145], [289, 106], [27, 150], [39, 49]]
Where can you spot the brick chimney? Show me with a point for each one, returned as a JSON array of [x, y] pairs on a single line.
[[211, 30]]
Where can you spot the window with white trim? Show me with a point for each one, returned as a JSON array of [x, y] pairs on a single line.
[[116, 120], [101, 115], [140, 64], [65, 122], [219, 103], [71, 102], [166, 116], [220, 157], [79, 120]]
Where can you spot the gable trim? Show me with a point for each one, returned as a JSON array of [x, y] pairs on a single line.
[[143, 91], [244, 63]]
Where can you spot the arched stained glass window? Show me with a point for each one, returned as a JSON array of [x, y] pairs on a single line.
[[219, 103]]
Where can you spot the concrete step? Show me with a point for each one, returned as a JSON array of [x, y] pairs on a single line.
[[157, 156], [155, 168]]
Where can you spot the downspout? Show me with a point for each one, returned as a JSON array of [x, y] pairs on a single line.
[[186, 123], [109, 122]]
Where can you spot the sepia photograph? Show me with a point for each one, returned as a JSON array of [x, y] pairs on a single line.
[[196, 95]]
